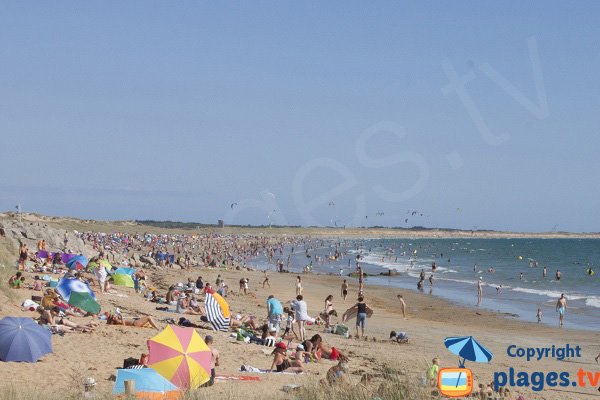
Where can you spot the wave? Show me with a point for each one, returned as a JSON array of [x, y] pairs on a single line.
[[549, 293], [593, 302]]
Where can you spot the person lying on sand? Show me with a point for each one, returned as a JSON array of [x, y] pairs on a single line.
[[243, 320], [318, 349], [282, 363], [54, 317], [142, 322]]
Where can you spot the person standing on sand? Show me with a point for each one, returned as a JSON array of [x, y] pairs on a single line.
[[360, 279], [298, 286], [539, 315], [479, 289], [561, 307], [402, 306], [344, 289], [301, 309]]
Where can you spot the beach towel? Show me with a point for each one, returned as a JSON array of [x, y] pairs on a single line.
[[237, 378], [352, 312], [248, 368]]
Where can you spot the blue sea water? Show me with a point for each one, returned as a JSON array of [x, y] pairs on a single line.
[[460, 263]]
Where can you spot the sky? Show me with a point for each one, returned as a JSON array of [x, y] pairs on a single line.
[[474, 114]]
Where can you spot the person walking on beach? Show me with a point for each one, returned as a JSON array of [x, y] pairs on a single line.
[[344, 289], [539, 315], [431, 280], [360, 279], [402, 306], [479, 289], [266, 281], [561, 307], [298, 285]]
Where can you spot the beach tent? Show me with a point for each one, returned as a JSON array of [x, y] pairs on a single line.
[[122, 280], [67, 285], [217, 312], [84, 301], [21, 339], [180, 356], [77, 262], [149, 384], [125, 271]]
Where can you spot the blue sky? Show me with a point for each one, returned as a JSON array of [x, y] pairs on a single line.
[[176, 110]]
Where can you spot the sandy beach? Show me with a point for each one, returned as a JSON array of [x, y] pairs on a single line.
[[430, 320]]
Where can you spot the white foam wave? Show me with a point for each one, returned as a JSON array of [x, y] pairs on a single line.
[[548, 293], [593, 302]]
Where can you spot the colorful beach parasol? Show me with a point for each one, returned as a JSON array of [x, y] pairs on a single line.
[[85, 302], [149, 384], [468, 348], [67, 285], [181, 356], [21, 339], [217, 312], [78, 262]]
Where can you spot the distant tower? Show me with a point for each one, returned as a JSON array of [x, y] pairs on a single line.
[[221, 223]]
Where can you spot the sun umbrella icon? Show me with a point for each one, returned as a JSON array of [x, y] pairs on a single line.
[[467, 348]]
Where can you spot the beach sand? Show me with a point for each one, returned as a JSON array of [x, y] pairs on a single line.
[[430, 320]]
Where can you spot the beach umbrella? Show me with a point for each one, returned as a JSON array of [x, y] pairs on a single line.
[[66, 257], [468, 348], [122, 280], [149, 384], [77, 262], [217, 312], [21, 339], [180, 356], [84, 301], [67, 285]]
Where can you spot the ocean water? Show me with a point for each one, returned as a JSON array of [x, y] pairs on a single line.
[[460, 263]]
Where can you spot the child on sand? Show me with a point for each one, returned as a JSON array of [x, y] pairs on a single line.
[[214, 359], [432, 372]]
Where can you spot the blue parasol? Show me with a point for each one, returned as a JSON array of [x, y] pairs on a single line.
[[78, 262], [21, 339], [67, 285], [468, 348]]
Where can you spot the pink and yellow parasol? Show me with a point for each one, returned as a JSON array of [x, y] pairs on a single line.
[[180, 356]]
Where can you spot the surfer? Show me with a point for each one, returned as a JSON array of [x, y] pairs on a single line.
[[561, 307]]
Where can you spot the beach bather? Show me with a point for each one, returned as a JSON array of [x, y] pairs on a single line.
[[282, 363], [143, 322]]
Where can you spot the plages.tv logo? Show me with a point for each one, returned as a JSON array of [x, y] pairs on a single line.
[[458, 382]]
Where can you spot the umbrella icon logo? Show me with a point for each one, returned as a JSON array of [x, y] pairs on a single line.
[[458, 382]]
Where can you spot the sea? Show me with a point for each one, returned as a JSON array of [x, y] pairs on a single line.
[[511, 271]]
